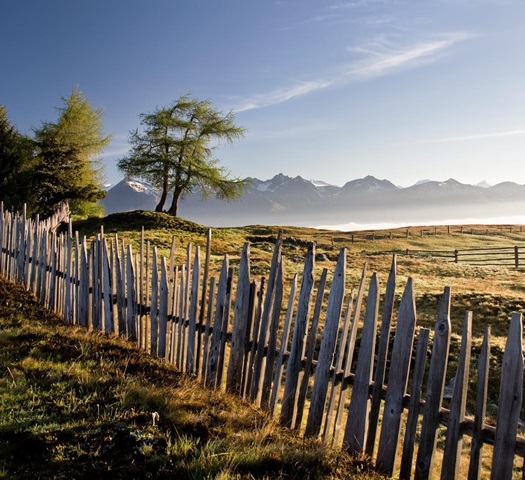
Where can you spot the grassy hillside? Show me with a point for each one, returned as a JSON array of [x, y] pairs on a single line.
[[80, 405], [492, 293]]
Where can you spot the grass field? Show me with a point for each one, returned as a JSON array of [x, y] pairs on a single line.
[[78, 404], [491, 293]]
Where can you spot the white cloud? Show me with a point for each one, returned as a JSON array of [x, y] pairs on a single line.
[[297, 131], [118, 147], [465, 138], [379, 62], [356, 4], [281, 95], [382, 20], [484, 135], [381, 57]]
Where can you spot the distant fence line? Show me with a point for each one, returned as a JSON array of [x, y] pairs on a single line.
[[408, 232], [290, 349], [513, 256]]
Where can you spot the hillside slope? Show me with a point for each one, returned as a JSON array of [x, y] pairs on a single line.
[[81, 405]]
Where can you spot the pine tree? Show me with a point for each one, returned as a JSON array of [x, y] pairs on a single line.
[[16, 158], [67, 167]]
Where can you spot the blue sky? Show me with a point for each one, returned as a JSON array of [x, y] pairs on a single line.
[[329, 90]]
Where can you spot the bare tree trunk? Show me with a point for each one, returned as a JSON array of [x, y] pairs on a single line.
[[175, 203], [162, 200], [163, 196]]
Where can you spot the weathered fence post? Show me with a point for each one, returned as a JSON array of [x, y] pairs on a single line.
[[265, 321], [350, 347], [131, 304], [284, 345], [474, 471], [382, 353], [510, 398], [454, 439], [310, 347], [338, 372], [326, 352], [435, 387], [207, 331], [397, 381], [413, 405], [106, 294], [293, 366], [154, 324], [357, 422], [163, 309], [272, 340], [191, 363], [240, 324], [202, 310], [220, 311]]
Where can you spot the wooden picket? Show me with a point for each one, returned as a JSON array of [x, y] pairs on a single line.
[[324, 361], [397, 381], [312, 383], [293, 366], [382, 354], [454, 440], [240, 324], [481, 406], [310, 347], [435, 387], [357, 423], [510, 399]]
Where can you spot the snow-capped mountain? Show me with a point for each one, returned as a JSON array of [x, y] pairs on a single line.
[[284, 200]]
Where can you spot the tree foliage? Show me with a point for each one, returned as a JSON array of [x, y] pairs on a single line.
[[175, 151], [66, 166], [16, 158]]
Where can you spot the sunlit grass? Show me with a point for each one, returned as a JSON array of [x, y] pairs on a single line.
[[75, 404], [199, 434]]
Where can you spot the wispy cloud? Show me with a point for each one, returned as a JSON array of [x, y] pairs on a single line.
[[119, 146], [378, 58], [296, 131], [381, 61], [352, 5], [336, 14], [379, 20], [297, 89], [466, 138]]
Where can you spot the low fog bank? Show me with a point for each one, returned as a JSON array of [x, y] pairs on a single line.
[[354, 227]]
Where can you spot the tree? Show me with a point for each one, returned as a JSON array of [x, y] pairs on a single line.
[[67, 167], [175, 152], [16, 157]]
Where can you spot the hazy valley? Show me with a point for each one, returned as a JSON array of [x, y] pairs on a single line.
[[283, 200]]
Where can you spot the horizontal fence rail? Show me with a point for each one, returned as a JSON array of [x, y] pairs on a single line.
[[513, 256], [290, 348], [410, 232]]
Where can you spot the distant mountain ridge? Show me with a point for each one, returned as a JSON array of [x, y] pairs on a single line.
[[284, 200]]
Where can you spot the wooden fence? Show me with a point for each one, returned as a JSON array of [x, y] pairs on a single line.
[[512, 256], [292, 349], [409, 232]]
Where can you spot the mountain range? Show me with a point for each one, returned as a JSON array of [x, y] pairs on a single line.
[[284, 200]]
